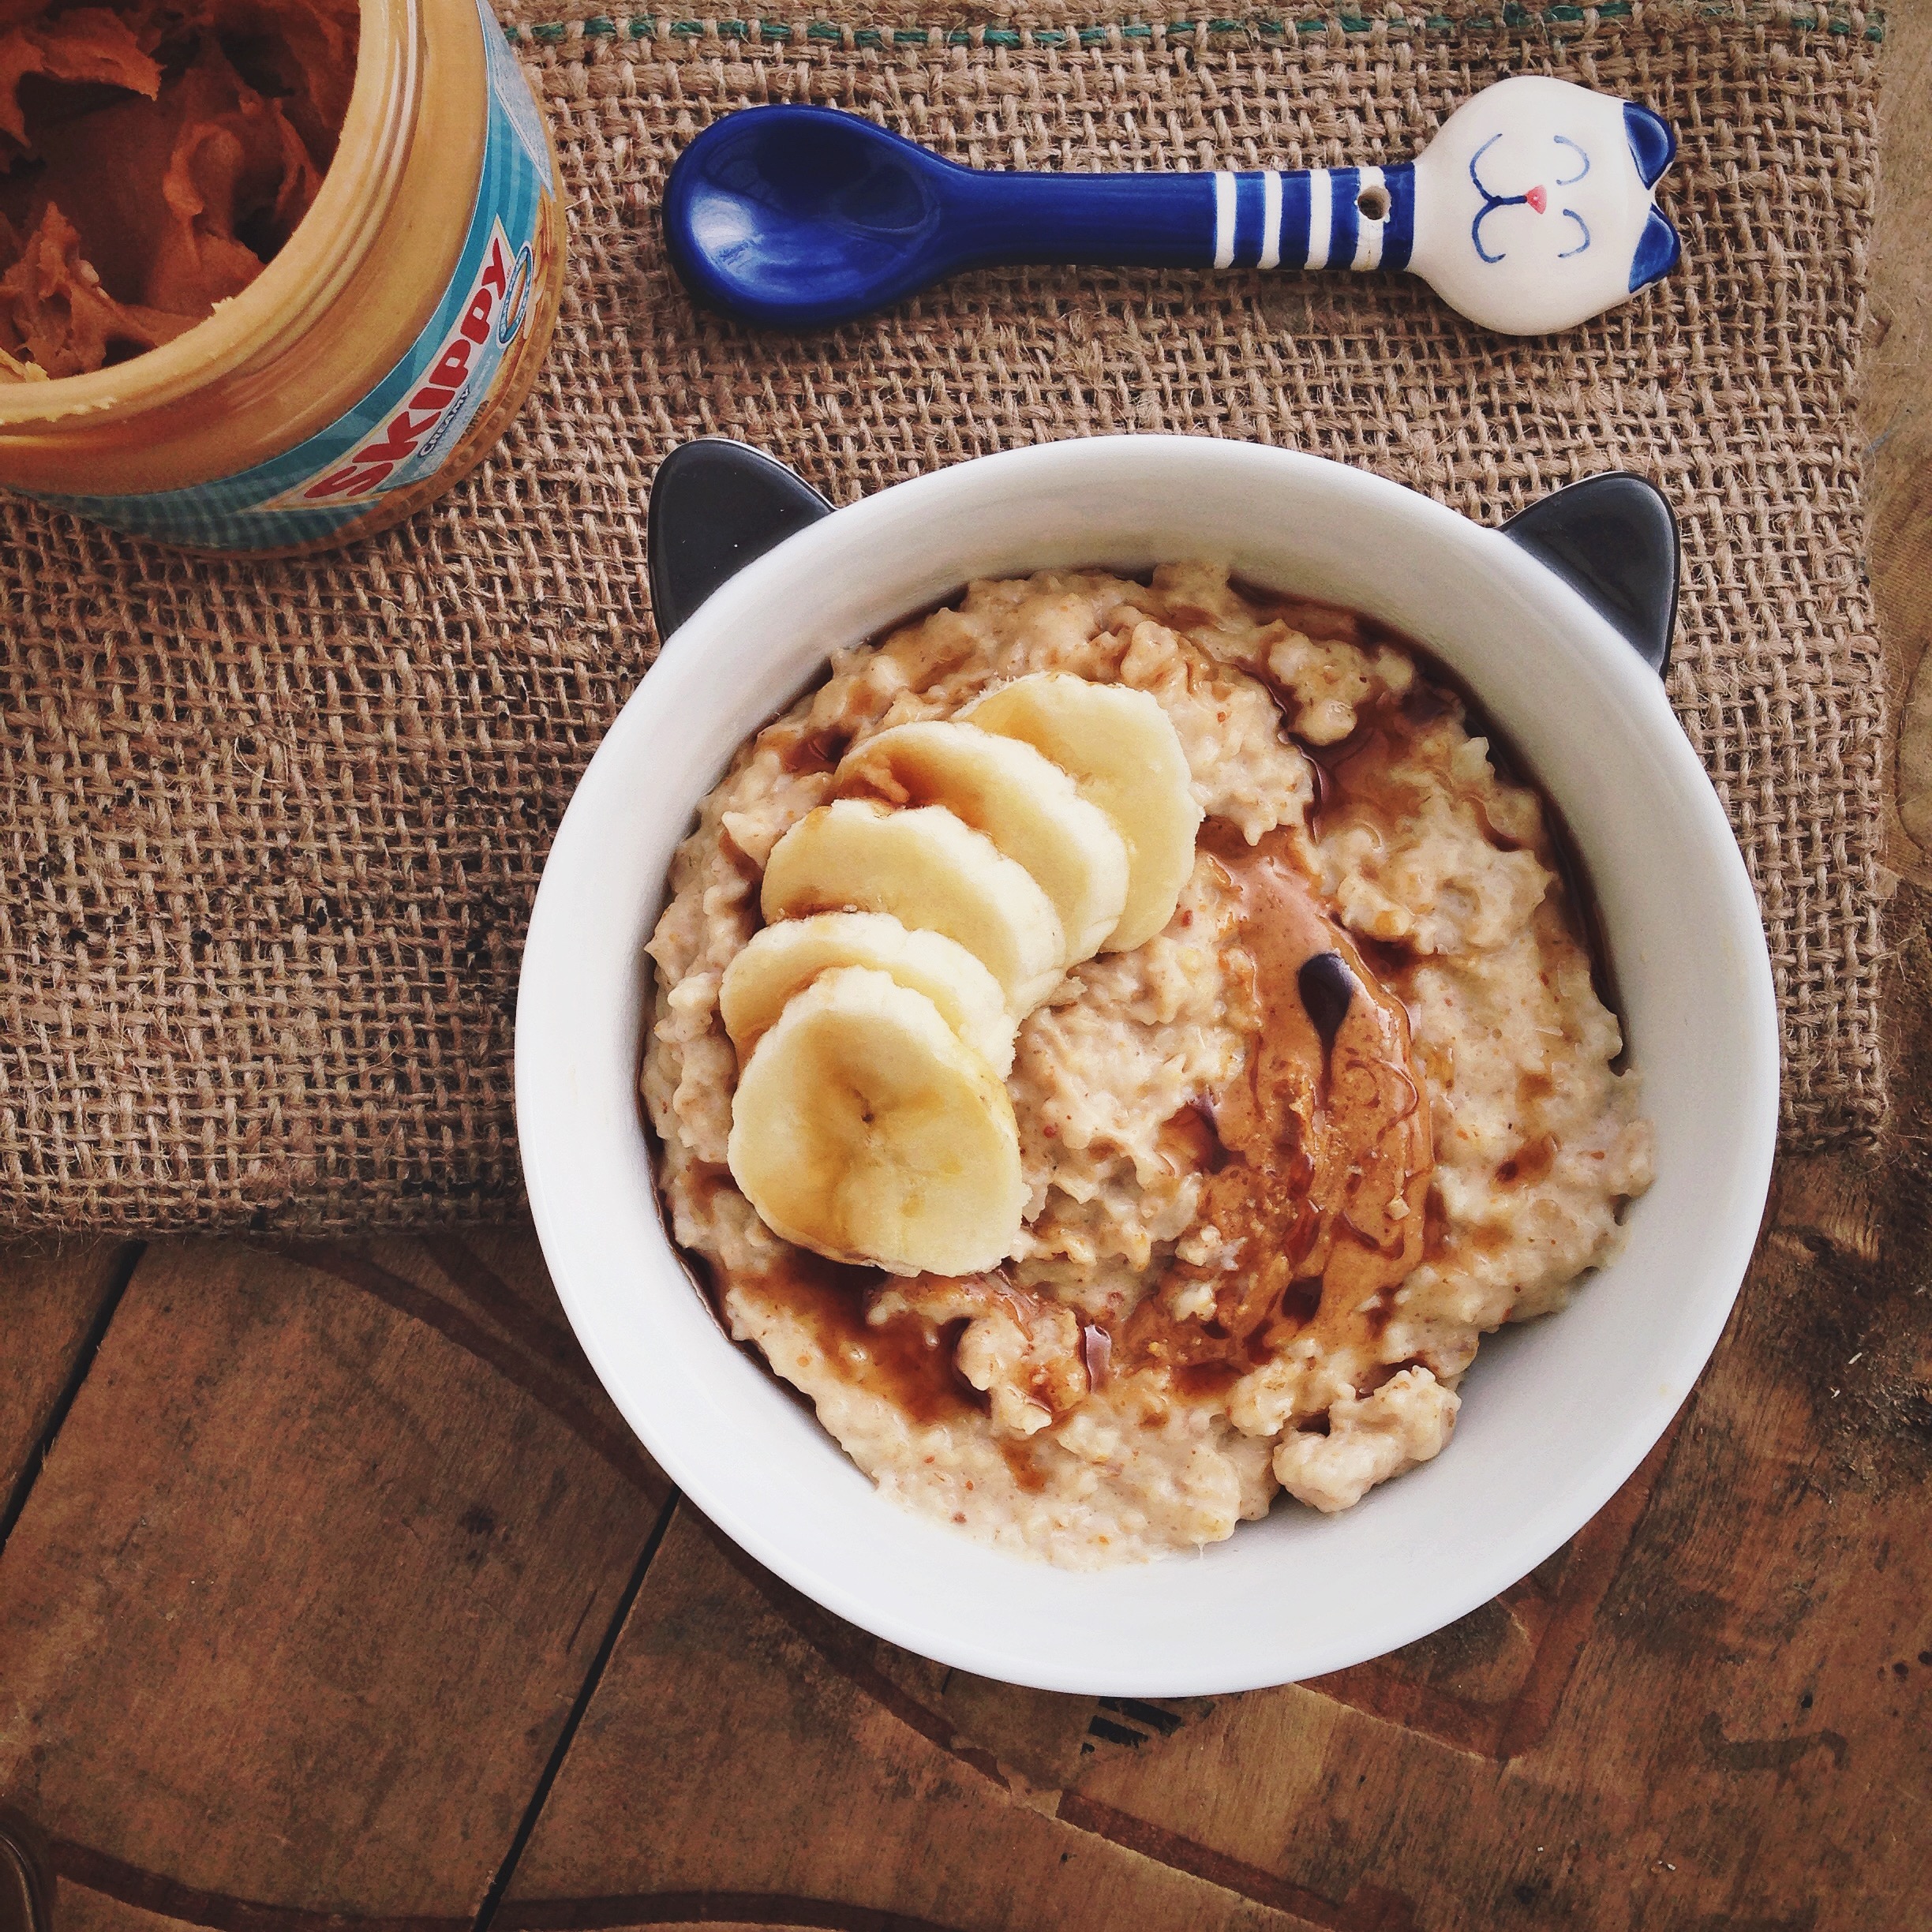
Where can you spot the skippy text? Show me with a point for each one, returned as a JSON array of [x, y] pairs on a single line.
[[495, 308]]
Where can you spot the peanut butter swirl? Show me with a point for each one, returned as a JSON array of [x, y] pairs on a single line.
[[1318, 1154]]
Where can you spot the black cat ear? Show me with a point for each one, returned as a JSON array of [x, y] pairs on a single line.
[[1613, 538], [715, 506], [1657, 251], [1652, 142]]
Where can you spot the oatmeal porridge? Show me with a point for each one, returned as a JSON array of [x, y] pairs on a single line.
[[1225, 1106]]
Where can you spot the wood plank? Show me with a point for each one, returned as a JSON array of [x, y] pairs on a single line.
[[51, 1295], [297, 1611], [77, 1910], [488, 1289], [746, 1758]]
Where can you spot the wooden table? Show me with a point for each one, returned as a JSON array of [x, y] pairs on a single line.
[[335, 1597]]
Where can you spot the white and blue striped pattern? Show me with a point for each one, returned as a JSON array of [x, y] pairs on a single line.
[[1314, 219]]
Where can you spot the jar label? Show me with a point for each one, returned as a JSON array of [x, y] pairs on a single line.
[[404, 430]]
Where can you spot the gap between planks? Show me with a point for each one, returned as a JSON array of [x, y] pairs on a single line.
[[492, 1899], [36, 1459]]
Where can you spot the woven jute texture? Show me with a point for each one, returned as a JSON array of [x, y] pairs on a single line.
[[271, 832]]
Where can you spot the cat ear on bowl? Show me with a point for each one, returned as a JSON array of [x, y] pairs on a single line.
[[716, 505]]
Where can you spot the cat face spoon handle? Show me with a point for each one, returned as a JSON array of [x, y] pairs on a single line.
[[1530, 211]]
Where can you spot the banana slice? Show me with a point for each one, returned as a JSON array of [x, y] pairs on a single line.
[[928, 870], [1022, 801], [1123, 754], [783, 958], [863, 1129]]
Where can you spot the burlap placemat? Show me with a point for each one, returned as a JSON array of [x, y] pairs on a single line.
[[271, 832]]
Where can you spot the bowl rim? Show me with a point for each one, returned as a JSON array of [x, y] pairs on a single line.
[[544, 1117]]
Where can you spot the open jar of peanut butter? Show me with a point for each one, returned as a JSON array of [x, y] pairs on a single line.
[[273, 273]]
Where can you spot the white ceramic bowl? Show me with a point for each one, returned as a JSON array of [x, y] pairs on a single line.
[[1556, 1414]]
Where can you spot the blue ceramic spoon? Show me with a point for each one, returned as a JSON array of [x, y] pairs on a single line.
[[1531, 210]]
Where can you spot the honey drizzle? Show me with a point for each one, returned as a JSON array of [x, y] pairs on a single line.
[[905, 1361]]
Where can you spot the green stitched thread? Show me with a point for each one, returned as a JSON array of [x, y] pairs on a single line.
[[1514, 15]]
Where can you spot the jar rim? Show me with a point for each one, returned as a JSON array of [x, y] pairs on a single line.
[[308, 272]]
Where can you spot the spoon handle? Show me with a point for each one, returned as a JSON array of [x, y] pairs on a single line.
[[1315, 218]]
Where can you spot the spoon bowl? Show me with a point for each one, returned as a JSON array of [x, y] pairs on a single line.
[[801, 216]]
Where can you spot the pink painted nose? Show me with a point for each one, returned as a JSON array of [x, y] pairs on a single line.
[[1538, 200]]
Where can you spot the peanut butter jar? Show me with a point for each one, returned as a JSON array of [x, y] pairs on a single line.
[[378, 355]]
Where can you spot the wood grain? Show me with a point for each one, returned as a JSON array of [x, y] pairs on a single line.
[[746, 1753], [296, 1612], [1710, 1709]]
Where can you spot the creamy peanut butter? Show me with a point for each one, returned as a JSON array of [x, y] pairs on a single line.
[[156, 155]]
